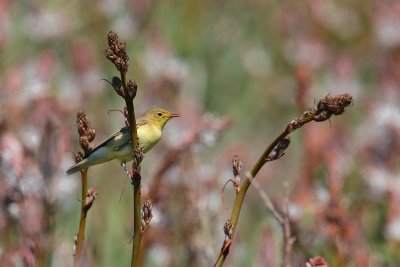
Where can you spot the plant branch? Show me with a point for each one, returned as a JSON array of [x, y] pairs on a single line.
[[116, 53], [80, 237], [267, 200], [135, 176], [86, 136], [282, 218], [326, 107], [288, 240]]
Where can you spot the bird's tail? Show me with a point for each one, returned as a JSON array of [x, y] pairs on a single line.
[[85, 163]]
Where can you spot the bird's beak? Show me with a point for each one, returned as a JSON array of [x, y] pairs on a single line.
[[174, 116]]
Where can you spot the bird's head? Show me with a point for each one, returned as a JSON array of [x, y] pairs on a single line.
[[160, 116]]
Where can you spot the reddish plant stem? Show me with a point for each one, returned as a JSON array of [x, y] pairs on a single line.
[[80, 239]]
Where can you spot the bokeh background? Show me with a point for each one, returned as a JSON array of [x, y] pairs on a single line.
[[238, 72]]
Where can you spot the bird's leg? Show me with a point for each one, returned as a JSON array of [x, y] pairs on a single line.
[[123, 165]]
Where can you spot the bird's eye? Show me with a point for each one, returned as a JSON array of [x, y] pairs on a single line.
[[159, 114]]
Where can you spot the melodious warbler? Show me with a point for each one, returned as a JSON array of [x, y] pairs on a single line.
[[119, 145]]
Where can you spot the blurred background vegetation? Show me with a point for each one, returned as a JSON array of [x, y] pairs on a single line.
[[238, 72]]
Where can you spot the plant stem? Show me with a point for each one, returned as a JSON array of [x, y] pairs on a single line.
[[137, 238], [81, 234], [287, 234], [135, 179], [131, 112], [246, 184]]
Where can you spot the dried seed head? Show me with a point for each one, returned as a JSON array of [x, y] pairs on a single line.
[[228, 228], [279, 149], [326, 107], [109, 53], [91, 134], [147, 214], [294, 124], [333, 106], [236, 165], [116, 83], [284, 143], [86, 134], [82, 122], [78, 156], [112, 38], [75, 244], [90, 198], [81, 130], [126, 116], [323, 116], [301, 120], [132, 89], [137, 155], [116, 52], [344, 100], [84, 143]]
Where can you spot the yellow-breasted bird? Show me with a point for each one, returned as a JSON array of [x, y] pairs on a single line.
[[119, 145]]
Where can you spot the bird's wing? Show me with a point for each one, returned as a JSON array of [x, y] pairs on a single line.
[[118, 139]]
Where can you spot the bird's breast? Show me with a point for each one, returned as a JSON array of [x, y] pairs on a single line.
[[148, 136]]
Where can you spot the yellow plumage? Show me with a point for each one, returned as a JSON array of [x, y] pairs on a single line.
[[119, 146]]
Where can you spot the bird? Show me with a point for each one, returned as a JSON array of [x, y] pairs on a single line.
[[119, 145]]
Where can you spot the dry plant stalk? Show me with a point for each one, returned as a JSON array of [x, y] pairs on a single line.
[[326, 107], [116, 53], [281, 217], [86, 136]]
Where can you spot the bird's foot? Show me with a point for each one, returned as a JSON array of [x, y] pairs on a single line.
[[123, 165]]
